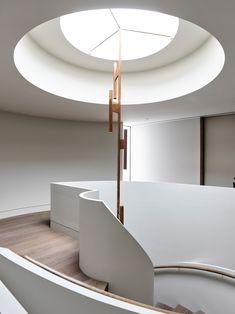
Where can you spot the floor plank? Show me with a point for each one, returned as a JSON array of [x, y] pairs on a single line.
[[31, 235]]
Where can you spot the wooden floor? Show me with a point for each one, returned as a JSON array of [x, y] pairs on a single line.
[[31, 235]]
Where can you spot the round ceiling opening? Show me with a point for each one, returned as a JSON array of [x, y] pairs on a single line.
[[71, 56], [98, 33]]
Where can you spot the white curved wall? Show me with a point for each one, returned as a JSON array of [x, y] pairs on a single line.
[[39, 291], [65, 202], [109, 253], [36, 151], [65, 212]]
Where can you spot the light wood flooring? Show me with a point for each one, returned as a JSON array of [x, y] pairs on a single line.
[[31, 235]]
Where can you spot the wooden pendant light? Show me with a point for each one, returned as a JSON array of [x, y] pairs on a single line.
[[115, 107]]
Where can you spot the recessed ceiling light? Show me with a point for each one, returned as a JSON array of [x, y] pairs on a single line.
[[96, 32]]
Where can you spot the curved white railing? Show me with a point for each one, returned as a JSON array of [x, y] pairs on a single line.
[[197, 286], [39, 291], [108, 252], [182, 222], [224, 272], [172, 222], [164, 224], [65, 200]]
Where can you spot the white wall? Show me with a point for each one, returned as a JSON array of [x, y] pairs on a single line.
[[220, 150], [38, 151], [166, 151]]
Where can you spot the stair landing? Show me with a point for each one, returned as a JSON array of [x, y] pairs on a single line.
[[30, 235]]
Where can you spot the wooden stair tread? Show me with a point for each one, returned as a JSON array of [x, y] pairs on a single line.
[[164, 306], [181, 309], [93, 282], [178, 309], [89, 283]]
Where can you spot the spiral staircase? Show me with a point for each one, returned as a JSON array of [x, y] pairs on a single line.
[[105, 267]]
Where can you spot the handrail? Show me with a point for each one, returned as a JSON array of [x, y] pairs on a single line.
[[198, 266], [94, 289]]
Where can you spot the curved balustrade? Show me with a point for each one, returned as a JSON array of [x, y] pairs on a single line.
[[92, 288], [164, 224], [198, 267], [182, 222], [172, 222], [194, 284], [65, 202], [108, 251], [40, 291]]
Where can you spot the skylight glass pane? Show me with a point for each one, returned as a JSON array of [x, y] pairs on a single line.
[[109, 49], [147, 21], [138, 45], [86, 29], [93, 32], [134, 45]]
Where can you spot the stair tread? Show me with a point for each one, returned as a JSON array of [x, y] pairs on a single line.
[[181, 309], [93, 283], [164, 306]]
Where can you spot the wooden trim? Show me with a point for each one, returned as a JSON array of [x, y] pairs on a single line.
[[119, 83], [115, 77], [94, 289], [110, 111], [202, 151], [125, 150], [121, 214], [199, 267]]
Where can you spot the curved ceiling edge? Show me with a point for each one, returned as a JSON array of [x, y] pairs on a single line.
[[62, 79]]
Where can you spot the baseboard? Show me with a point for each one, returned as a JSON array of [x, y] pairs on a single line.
[[22, 211], [58, 227]]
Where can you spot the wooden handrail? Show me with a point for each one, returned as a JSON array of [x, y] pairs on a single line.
[[94, 289], [199, 267]]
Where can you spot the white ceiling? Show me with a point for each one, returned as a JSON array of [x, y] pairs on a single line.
[[18, 95]]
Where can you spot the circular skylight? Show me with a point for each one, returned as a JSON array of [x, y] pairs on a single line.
[[97, 32]]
